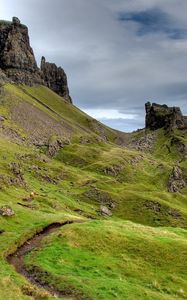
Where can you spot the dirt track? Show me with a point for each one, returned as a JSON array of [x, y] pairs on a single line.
[[17, 259]]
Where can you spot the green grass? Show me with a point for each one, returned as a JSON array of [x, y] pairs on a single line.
[[115, 260], [55, 106], [74, 184]]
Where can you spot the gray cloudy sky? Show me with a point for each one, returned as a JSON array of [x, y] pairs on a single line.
[[117, 53]]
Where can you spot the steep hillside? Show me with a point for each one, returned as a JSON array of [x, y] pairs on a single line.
[[41, 116]]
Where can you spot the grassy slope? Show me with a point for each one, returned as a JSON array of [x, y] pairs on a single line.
[[74, 174], [52, 104], [125, 261]]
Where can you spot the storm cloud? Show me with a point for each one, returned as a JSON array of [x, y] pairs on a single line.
[[117, 54]]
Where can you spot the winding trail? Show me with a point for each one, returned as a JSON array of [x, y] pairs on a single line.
[[17, 258]]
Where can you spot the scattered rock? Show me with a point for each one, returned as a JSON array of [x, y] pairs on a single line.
[[176, 180], [163, 210], [27, 205], [175, 213], [11, 134], [4, 180], [55, 144], [112, 205], [85, 140], [29, 199], [136, 159], [153, 205], [179, 144], [113, 170], [99, 196], [6, 211], [103, 210], [144, 143], [16, 170]]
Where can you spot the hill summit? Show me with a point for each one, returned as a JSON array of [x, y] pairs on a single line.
[[18, 63]]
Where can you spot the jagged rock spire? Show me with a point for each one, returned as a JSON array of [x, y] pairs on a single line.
[[55, 78]]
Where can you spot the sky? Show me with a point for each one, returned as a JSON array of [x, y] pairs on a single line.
[[118, 54]]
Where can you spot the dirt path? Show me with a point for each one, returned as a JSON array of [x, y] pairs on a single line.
[[17, 259]]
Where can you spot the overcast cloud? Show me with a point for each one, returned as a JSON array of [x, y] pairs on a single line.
[[117, 54]]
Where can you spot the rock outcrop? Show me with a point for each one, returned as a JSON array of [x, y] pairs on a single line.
[[176, 180], [55, 78], [18, 63], [162, 116], [17, 59]]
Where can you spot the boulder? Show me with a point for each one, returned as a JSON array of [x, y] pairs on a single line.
[[105, 211], [15, 20], [6, 211]]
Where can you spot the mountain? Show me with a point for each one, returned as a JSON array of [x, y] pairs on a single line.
[[86, 212]]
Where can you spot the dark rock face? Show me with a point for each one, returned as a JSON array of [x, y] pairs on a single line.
[[162, 116], [18, 64], [16, 56], [55, 78]]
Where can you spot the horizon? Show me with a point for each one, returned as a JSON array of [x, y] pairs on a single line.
[[116, 57]]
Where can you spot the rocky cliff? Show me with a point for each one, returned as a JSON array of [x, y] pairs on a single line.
[[16, 55], [55, 78], [162, 116], [18, 63]]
